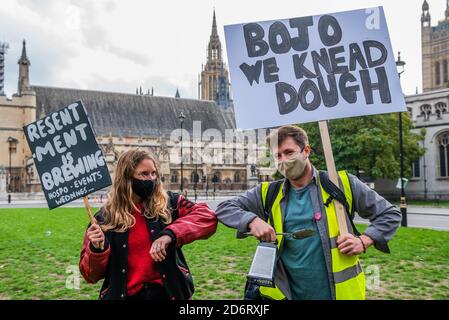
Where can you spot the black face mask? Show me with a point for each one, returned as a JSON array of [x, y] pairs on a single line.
[[143, 188]]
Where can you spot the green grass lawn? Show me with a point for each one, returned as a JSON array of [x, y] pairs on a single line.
[[40, 248]]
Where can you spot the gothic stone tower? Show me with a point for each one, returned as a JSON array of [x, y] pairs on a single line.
[[435, 50], [210, 75], [16, 112]]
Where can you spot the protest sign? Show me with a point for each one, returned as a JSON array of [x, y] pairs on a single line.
[[67, 157], [312, 69]]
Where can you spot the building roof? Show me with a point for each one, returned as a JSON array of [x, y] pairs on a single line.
[[121, 114], [433, 94]]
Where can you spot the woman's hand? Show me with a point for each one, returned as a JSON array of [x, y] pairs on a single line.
[[96, 236], [158, 249]]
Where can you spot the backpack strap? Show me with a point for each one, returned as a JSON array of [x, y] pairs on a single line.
[[272, 192], [335, 193]]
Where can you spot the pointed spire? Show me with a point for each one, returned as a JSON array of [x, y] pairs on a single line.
[[177, 95], [447, 9], [425, 17], [214, 26], [24, 72], [23, 58], [43, 113]]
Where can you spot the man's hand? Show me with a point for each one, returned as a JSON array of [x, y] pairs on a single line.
[[351, 245], [158, 248], [262, 230], [96, 236]]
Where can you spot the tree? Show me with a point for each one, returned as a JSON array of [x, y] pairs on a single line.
[[369, 144]]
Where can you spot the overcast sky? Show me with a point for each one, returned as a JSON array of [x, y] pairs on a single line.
[[118, 45]]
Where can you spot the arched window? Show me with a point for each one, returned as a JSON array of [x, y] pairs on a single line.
[[237, 177], [194, 177], [215, 87], [216, 177], [440, 108], [443, 154], [426, 110], [214, 53], [211, 88], [445, 72], [174, 177], [437, 73]]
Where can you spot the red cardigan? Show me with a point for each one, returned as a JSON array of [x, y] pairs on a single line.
[[195, 222]]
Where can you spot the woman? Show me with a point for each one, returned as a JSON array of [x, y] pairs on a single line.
[[136, 245]]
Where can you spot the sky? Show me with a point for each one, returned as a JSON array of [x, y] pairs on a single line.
[[118, 45]]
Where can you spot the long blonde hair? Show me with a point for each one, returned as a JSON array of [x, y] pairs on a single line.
[[119, 206]]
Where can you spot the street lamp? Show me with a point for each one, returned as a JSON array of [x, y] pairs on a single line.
[[215, 180], [207, 185], [195, 180], [12, 147], [400, 65], [181, 118]]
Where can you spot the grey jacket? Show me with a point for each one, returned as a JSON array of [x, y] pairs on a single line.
[[383, 216]]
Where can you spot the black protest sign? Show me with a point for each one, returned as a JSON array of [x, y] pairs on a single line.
[[66, 154]]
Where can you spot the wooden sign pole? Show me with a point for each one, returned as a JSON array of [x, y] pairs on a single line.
[[333, 176], [89, 211], [91, 216]]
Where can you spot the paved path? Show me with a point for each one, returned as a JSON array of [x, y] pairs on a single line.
[[423, 217]]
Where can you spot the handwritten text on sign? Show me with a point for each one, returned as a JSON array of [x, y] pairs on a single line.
[[312, 68], [67, 157]]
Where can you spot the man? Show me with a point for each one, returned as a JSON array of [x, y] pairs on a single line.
[[325, 265]]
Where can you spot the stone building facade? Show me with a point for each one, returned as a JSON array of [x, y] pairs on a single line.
[[429, 111], [430, 174], [435, 50], [14, 114], [123, 121]]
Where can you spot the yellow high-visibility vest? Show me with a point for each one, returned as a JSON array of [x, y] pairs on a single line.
[[349, 278]]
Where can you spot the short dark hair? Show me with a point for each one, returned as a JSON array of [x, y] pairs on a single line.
[[298, 134]]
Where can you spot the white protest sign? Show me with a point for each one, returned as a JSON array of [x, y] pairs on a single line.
[[312, 69]]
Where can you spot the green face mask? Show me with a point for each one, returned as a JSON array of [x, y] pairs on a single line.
[[293, 168]]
